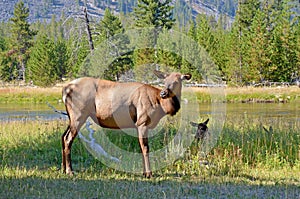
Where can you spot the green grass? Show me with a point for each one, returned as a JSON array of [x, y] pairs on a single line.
[[246, 94], [30, 95], [231, 94], [246, 162]]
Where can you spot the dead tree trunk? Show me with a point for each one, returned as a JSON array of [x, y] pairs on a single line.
[[88, 30]]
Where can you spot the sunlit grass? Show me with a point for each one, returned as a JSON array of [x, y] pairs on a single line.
[[231, 94], [30, 95], [245, 161], [249, 94]]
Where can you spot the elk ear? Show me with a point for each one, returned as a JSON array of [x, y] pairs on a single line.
[[186, 76], [206, 121], [160, 75], [194, 124]]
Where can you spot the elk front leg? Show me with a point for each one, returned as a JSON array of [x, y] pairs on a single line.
[[143, 141]]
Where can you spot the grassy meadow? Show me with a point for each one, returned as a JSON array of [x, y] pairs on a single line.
[[248, 161], [232, 94], [29, 95]]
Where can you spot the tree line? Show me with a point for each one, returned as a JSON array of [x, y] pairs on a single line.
[[261, 44]]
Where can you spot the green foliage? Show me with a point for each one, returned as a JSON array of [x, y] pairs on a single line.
[[62, 56], [204, 34], [41, 64], [31, 159], [246, 12], [112, 56], [49, 62], [168, 54], [144, 55], [21, 38], [283, 55], [113, 32], [80, 51], [8, 64], [261, 44], [257, 50], [156, 16], [153, 13]]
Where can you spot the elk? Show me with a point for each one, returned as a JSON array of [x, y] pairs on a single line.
[[202, 130], [118, 105]]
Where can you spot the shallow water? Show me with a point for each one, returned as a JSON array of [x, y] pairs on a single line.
[[266, 113], [25, 112]]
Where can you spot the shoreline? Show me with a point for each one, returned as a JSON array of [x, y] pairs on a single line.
[[231, 94]]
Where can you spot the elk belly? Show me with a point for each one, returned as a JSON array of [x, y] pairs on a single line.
[[122, 117]]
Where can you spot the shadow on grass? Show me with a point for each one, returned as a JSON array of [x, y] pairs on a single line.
[[40, 148], [39, 187], [30, 168]]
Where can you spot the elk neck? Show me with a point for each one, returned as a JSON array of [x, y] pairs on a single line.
[[171, 105]]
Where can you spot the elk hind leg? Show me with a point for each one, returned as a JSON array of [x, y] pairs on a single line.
[[67, 131], [67, 140]]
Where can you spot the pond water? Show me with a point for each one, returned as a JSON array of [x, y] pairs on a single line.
[[234, 112], [25, 112], [267, 114]]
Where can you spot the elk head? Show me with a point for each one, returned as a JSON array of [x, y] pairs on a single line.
[[202, 129], [173, 83]]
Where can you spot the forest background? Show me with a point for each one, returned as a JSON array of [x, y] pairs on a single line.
[[261, 43]]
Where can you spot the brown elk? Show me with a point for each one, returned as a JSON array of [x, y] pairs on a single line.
[[119, 105]]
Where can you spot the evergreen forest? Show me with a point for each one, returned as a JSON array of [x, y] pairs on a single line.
[[261, 44]]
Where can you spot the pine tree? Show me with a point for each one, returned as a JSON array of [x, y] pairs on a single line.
[[144, 55], [113, 38], [192, 32], [53, 28], [296, 30], [233, 70], [62, 67], [168, 52], [247, 12], [237, 67], [258, 49], [8, 63], [283, 58], [49, 61], [22, 37], [155, 16], [80, 51], [204, 33], [190, 60], [221, 45], [41, 65], [154, 13]]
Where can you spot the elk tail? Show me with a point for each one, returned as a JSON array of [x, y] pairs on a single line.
[[55, 110]]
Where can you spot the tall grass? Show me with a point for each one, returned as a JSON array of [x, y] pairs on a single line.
[[30, 160], [246, 94], [251, 158], [38, 144], [29, 95], [250, 94]]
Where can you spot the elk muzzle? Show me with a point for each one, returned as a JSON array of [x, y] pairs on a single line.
[[164, 93]]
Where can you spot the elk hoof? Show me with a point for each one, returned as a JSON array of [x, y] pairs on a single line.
[[70, 172], [148, 174]]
